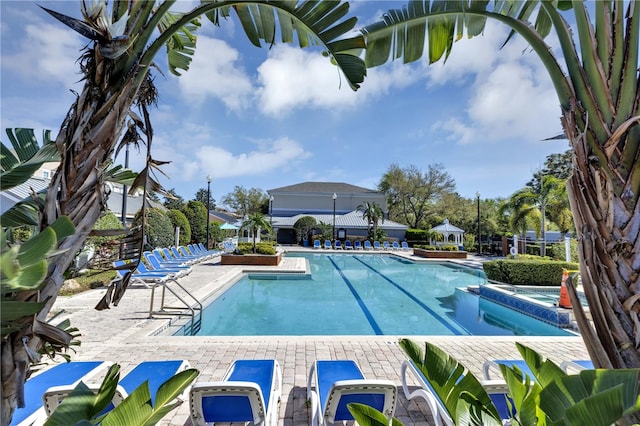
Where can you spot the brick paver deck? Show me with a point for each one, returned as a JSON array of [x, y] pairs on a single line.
[[124, 334]]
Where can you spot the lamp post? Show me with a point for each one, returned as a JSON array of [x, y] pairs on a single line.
[[208, 206], [334, 216], [479, 245], [271, 210]]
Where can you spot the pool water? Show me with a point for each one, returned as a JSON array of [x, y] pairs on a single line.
[[364, 294]]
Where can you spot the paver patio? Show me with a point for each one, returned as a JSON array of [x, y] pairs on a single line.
[[124, 334]]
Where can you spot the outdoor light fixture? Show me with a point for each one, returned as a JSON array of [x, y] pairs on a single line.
[[479, 246], [208, 206], [334, 215], [271, 210]]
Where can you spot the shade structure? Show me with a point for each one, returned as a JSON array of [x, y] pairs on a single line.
[[228, 226]]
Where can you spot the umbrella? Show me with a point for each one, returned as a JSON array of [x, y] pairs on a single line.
[[228, 226]]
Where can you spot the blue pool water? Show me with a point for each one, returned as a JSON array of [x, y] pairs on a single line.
[[363, 294]]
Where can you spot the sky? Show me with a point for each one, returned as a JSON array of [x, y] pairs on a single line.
[[272, 117]]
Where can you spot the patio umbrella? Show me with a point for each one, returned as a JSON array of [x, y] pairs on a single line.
[[228, 226]]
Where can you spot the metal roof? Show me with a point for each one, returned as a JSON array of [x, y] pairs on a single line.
[[351, 220], [329, 187], [446, 227]]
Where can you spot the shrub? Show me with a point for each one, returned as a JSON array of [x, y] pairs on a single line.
[[178, 219], [159, 230], [527, 272], [440, 248], [106, 248], [262, 247]]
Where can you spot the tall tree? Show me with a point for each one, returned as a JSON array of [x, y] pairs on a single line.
[[412, 194], [201, 196], [373, 214], [196, 214], [255, 222], [116, 67], [557, 165], [172, 200], [246, 201], [599, 101], [550, 192]]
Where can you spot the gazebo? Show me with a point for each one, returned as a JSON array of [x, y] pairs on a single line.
[[451, 234]]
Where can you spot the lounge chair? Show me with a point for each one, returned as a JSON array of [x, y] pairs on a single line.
[[249, 392], [495, 365], [497, 390], [338, 245], [212, 253], [152, 260], [334, 384], [576, 365], [367, 245], [148, 279], [155, 373], [327, 244], [405, 246], [376, 245], [168, 261], [68, 373], [317, 244], [395, 246], [357, 245], [348, 245]]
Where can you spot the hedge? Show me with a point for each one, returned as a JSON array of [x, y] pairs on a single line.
[[527, 272], [440, 248], [261, 248]]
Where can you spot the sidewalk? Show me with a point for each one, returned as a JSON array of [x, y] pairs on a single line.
[[125, 335]]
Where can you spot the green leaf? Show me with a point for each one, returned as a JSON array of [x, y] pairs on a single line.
[[37, 247], [63, 227], [13, 310], [366, 415], [27, 277]]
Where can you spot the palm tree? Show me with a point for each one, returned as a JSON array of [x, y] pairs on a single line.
[[599, 102], [255, 222], [116, 68], [373, 214], [548, 193]]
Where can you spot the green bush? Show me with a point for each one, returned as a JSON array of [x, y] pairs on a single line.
[[159, 230], [179, 219], [440, 248], [527, 272], [262, 247], [417, 235]]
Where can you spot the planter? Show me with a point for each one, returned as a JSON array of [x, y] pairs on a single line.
[[251, 259], [439, 254]]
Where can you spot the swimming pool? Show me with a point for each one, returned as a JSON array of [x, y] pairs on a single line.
[[364, 294]]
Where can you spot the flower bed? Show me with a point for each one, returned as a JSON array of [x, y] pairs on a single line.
[[251, 259], [440, 254]]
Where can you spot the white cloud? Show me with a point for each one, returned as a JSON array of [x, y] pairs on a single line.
[[192, 158], [294, 78], [216, 72], [510, 95], [47, 53]]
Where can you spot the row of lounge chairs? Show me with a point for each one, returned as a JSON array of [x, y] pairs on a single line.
[[163, 264], [250, 390], [366, 245]]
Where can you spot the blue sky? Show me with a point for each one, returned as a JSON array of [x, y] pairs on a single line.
[[266, 118]]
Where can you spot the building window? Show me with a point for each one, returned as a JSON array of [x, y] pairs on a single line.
[[46, 174]]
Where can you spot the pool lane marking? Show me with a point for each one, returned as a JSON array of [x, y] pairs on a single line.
[[414, 298], [363, 306]]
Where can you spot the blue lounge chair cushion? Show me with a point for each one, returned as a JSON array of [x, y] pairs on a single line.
[[338, 383], [69, 373], [228, 408], [247, 393], [155, 372]]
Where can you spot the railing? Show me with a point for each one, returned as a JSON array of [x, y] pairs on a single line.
[[195, 312]]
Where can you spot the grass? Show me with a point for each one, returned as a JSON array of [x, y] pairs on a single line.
[[90, 280]]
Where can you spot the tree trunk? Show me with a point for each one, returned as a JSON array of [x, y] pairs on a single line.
[[86, 141], [607, 219]]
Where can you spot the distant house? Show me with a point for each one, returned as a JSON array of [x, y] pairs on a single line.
[[316, 199]]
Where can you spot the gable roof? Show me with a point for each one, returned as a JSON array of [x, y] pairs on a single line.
[[337, 187]]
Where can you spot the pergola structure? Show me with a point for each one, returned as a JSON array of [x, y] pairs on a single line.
[[451, 234]]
